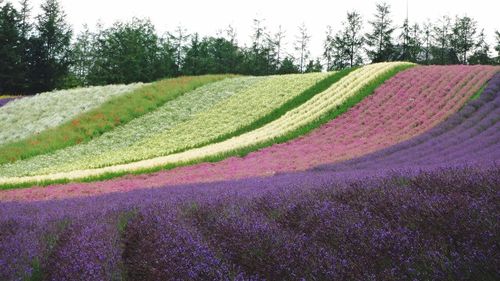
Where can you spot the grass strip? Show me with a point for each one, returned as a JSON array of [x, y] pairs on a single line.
[[111, 114], [479, 92]]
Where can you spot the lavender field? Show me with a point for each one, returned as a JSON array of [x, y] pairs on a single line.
[[423, 209], [317, 225]]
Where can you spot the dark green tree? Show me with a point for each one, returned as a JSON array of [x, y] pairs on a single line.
[[481, 53], [26, 29], [277, 41], [348, 43], [328, 48], [126, 53], [11, 50], [50, 48], [441, 51], [379, 40], [196, 61], [212, 55], [288, 66], [256, 58], [225, 55], [415, 43], [167, 66], [178, 40], [463, 37], [426, 42], [314, 66], [82, 57], [408, 48]]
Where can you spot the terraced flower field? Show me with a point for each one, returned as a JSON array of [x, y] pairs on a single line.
[[179, 110], [385, 172], [223, 119], [333, 141], [410, 103], [314, 225], [469, 138]]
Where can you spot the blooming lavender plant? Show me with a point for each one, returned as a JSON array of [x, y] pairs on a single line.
[[310, 225]]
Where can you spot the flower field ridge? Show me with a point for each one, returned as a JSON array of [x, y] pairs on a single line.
[[292, 120], [403, 185], [407, 105], [469, 137], [226, 117], [250, 101]]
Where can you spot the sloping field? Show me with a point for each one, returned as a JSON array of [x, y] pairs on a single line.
[[405, 106], [424, 94], [219, 122], [469, 138], [70, 122], [420, 203], [169, 115], [261, 95], [348, 89], [311, 225]]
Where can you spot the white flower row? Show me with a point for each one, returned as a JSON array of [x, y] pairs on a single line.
[[28, 116]]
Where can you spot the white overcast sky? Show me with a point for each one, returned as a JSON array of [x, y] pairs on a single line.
[[206, 17]]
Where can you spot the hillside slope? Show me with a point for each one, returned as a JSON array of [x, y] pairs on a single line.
[[420, 95], [420, 202], [356, 83], [89, 124], [470, 137]]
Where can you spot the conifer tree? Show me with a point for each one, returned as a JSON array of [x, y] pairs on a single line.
[[50, 49], [379, 40]]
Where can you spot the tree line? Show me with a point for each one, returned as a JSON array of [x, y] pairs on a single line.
[[41, 53]]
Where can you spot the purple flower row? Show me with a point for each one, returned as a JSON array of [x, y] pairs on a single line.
[[312, 225]]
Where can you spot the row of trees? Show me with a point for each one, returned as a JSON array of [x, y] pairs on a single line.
[[41, 54], [447, 41], [34, 56]]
